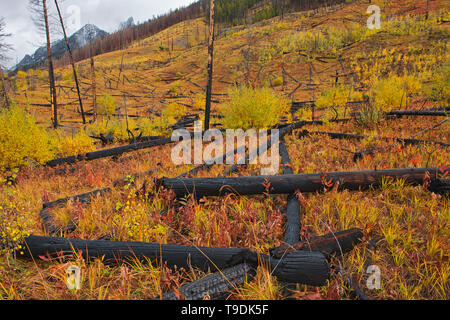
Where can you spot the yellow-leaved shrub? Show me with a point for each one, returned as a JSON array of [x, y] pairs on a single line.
[[76, 145], [249, 108], [392, 92], [21, 139], [106, 105]]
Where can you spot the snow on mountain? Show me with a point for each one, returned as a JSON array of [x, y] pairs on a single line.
[[82, 37]]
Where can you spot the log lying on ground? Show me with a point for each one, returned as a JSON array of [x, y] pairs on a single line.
[[335, 135], [329, 245], [400, 113], [109, 152], [433, 113], [441, 186], [298, 267], [293, 209], [284, 130], [216, 286], [287, 184]]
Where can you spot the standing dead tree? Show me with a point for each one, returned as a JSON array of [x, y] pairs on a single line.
[[72, 62], [210, 65], [3, 48], [40, 16]]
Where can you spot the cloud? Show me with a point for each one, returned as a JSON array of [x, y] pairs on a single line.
[[106, 14]]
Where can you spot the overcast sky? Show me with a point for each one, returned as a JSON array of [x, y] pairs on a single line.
[[105, 14]]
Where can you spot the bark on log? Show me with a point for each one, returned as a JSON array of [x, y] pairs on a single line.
[[109, 152], [329, 245], [298, 267], [216, 286], [441, 186], [286, 184], [293, 209], [434, 113]]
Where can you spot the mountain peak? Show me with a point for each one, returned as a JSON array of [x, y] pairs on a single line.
[[87, 34], [127, 24]]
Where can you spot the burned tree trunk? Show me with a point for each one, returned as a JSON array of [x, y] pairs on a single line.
[[51, 73], [109, 152], [215, 286], [94, 88], [297, 267], [5, 89], [293, 209], [330, 244], [72, 62], [287, 184], [210, 65]]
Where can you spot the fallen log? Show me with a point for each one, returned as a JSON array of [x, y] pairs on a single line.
[[287, 184], [330, 244], [349, 136], [109, 152], [433, 113], [216, 286], [293, 209], [284, 130], [441, 186], [298, 267]]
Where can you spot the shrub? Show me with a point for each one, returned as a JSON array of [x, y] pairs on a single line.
[[22, 139], [67, 78], [337, 96], [21, 74], [392, 93], [106, 105], [173, 112], [78, 144], [199, 102], [278, 81], [439, 89], [253, 108]]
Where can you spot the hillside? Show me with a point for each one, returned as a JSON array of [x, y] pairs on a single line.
[[343, 79]]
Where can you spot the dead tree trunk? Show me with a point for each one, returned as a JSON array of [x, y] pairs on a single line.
[[216, 286], [297, 267], [72, 62], [330, 244], [50, 67], [293, 209], [210, 65], [94, 88], [287, 184], [5, 89]]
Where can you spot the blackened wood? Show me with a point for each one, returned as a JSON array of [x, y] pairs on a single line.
[[441, 186], [298, 267], [284, 129], [433, 113], [72, 62], [330, 244], [109, 152], [216, 286], [5, 89], [287, 184], [293, 209], [83, 198], [50, 67], [210, 65]]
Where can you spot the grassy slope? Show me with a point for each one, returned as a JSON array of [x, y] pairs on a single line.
[[411, 223]]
